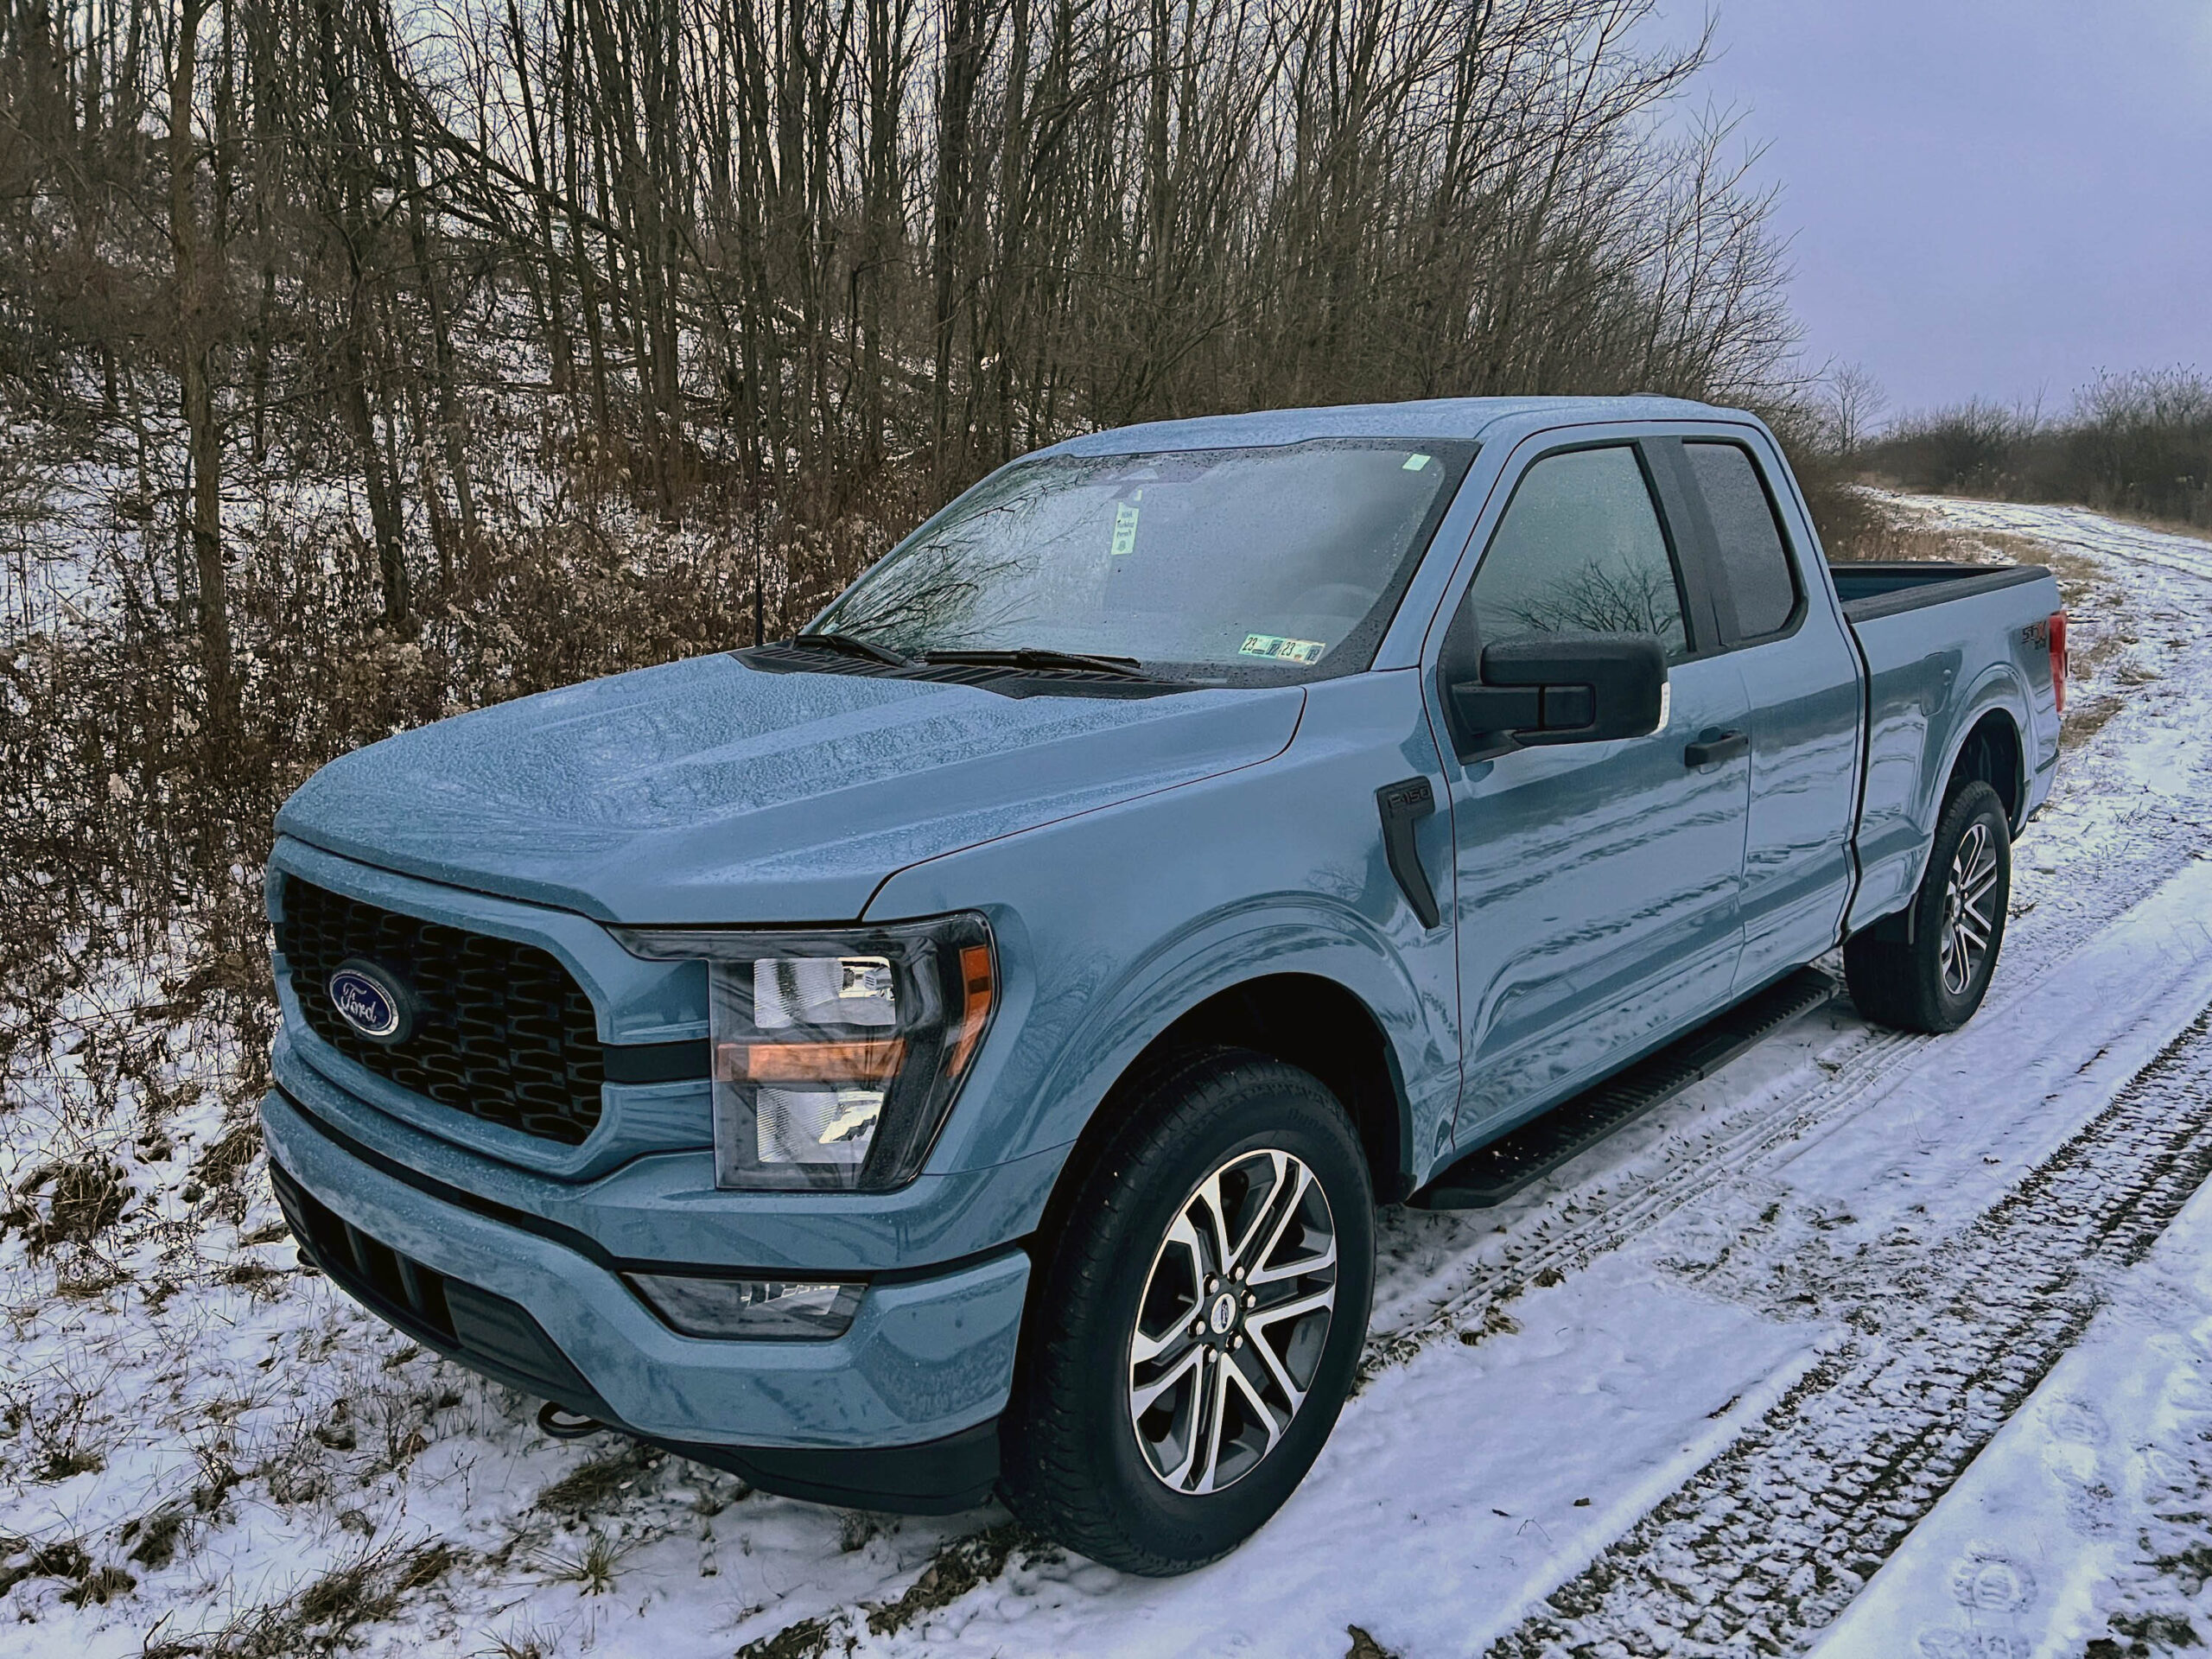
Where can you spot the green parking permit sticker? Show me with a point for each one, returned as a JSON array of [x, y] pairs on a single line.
[[1125, 526], [1415, 463], [1274, 645]]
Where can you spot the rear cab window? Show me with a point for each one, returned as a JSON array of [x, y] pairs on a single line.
[[1759, 593]]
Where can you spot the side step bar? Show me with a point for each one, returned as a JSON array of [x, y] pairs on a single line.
[[1493, 1173]]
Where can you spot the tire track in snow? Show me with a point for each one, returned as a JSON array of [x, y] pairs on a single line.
[[1606, 1214], [1767, 1543]]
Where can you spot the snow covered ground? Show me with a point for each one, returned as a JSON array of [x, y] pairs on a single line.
[[1891, 1345]]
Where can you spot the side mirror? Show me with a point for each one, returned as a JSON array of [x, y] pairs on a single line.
[[1557, 688]]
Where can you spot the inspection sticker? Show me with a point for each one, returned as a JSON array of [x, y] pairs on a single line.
[[1415, 463], [1288, 650], [1125, 526]]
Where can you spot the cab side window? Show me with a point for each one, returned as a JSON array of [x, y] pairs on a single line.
[[1580, 550], [1754, 563]]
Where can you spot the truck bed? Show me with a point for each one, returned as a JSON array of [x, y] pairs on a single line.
[[1884, 588], [1942, 646]]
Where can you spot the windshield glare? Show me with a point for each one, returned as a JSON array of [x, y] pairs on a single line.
[[1256, 565]]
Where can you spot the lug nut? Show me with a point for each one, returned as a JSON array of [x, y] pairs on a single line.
[[1251, 1298], [1236, 1342], [1213, 1284], [1198, 1327]]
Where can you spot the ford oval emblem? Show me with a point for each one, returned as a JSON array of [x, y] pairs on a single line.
[[372, 1001]]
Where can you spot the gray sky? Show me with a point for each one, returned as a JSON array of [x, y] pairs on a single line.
[[1984, 197]]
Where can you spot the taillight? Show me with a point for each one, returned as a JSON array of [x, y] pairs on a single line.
[[2058, 628]]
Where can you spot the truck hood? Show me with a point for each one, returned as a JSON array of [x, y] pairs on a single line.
[[709, 791]]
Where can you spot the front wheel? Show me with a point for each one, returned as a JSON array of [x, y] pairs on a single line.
[[1935, 980], [1199, 1326]]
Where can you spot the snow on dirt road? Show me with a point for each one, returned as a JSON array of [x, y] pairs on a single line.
[[1898, 1347]]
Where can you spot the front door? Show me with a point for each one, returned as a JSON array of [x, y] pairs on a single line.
[[1598, 883]]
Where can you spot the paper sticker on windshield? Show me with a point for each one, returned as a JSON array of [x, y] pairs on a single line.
[[1415, 463], [1125, 525], [1287, 650]]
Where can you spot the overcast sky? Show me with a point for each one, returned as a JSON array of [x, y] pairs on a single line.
[[1993, 198]]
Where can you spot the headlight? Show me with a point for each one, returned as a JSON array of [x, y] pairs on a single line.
[[757, 1310], [836, 1055]]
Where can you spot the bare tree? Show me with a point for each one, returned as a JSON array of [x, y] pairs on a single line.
[[1854, 403], [195, 263], [759, 259]]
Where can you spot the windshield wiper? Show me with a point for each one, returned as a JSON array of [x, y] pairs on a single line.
[[1125, 668], [852, 645]]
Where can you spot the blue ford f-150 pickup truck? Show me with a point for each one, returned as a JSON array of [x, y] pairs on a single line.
[[962, 1048]]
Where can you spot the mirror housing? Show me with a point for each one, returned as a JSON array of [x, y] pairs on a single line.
[[1555, 688]]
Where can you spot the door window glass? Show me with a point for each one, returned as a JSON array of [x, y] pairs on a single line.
[[1753, 562], [1580, 550]]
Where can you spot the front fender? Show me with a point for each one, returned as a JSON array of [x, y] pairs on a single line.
[[1285, 934], [1114, 924]]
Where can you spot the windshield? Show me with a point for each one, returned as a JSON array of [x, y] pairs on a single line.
[[1226, 566]]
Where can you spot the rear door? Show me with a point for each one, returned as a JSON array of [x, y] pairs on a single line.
[[1597, 883], [1802, 679]]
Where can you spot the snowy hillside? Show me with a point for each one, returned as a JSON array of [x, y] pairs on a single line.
[[1874, 1344]]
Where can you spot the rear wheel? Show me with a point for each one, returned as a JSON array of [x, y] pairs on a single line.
[[1200, 1324], [1935, 980]]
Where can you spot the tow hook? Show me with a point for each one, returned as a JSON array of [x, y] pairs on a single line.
[[563, 1424]]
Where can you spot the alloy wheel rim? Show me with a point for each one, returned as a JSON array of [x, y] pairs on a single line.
[[1969, 922], [1233, 1321]]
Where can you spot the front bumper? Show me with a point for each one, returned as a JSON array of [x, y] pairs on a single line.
[[899, 1412]]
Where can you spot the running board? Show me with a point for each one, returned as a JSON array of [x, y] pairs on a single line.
[[1491, 1174]]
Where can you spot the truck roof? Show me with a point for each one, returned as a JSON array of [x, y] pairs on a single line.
[[1462, 418]]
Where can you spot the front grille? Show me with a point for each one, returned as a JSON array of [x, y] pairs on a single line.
[[502, 1032]]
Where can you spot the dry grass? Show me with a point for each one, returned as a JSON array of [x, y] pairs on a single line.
[[599, 1483], [958, 1568], [69, 1203], [591, 1569], [808, 1639]]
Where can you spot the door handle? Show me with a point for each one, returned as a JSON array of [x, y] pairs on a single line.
[[1711, 747], [1403, 806]]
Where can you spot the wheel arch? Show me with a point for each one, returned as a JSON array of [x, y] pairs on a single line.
[[1308, 1021], [1991, 751]]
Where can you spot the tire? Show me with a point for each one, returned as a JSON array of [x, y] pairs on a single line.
[[1123, 1306], [1935, 980]]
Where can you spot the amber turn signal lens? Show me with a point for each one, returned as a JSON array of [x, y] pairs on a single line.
[[856, 1062], [975, 1004]]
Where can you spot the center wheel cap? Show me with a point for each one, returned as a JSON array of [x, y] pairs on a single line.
[[1222, 1314]]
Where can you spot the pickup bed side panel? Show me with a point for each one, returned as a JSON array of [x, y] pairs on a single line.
[[1934, 671], [1124, 920]]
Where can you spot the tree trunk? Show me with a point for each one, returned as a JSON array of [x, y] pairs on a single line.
[[204, 440]]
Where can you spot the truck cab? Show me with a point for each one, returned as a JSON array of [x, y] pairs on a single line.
[[962, 1048]]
